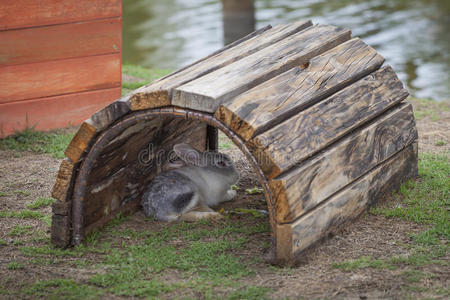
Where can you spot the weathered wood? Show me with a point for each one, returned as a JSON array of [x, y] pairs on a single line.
[[60, 231], [159, 93], [53, 112], [28, 13], [80, 142], [59, 77], [208, 92], [212, 138], [38, 44], [283, 146], [349, 203], [63, 180], [61, 208], [284, 96], [303, 188], [111, 113], [126, 165]]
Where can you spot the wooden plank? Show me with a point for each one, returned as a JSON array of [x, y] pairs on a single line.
[[30, 81], [38, 44], [80, 142], [208, 92], [284, 96], [29, 13], [60, 231], [159, 93], [53, 112], [63, 180], [303, 188], [348, 204], [109, 114], [313, 129]]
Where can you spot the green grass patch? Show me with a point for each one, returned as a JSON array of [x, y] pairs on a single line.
[[62, 289], [22, 214], [3, 242], [41, 202], [14, 265], [133, 85], [425, 108], [143, 77], [144, 73], [440, 143], [4, 194], [425, 201], [22, 192], [51, 142], [20, 230]]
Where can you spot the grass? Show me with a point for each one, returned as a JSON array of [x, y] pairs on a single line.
[[14, 265], [41, 202], [424, 201], [425, 108], [60, 288], [51, 142], [199, 257], [26, 214], [144, 76], [20, 230]]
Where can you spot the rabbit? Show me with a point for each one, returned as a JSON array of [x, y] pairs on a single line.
[[188, 191]]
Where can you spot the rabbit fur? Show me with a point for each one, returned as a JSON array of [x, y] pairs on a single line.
[[188, 191]]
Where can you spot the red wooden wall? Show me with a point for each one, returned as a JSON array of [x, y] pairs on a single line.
[[60, 61]]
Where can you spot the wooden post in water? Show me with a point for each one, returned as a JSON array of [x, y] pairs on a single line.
[[238, 19]]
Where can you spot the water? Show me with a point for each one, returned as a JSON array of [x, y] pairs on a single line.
[[413, 35]]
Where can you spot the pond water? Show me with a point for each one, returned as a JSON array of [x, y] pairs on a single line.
[[413, 35]]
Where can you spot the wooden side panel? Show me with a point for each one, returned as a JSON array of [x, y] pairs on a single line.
[[130, 161], [53, 112], [313, 129], [63, 180], [284, 96], [60, 230], [208, 92], [47, 43], [159, 92], [28, 13], [349, 203], [303, 188], [59, 77]]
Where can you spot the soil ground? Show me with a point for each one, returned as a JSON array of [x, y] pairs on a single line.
[[28, 176]]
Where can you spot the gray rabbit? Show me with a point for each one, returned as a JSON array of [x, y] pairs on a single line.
[[202, 180]]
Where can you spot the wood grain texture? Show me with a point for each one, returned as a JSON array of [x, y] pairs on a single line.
[[80, 142], [30, 81], [284, 96], [131, 160], [159, 93], [349, 203], [60, 231], [30, 13], [38, 44], [313, 129], [53, 112], [302, 189], [103, 118], [208, 92], [63, 180]]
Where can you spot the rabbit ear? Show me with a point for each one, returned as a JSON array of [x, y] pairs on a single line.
[[188, 154]]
